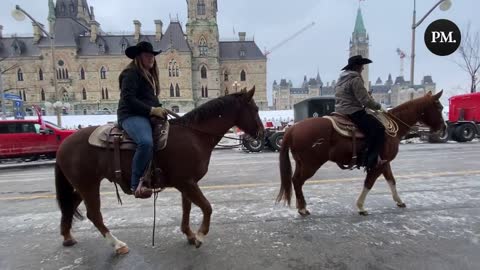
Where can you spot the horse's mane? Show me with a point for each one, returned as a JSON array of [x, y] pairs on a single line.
[[411, 105], [212, 108]]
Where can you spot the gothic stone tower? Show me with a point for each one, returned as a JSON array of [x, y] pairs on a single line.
[[359, 43], [203, 38]]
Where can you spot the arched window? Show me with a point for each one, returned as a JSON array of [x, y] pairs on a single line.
[[20, 75], [243, 76], [205, 91], [42, 95], [203, 72], [225, 76], [40, 75], [66, 73], [173, 69], [103, 73], [177, 90], [84, 94], [24, 97], [106, 93], [176, 71], [82, 74], [172, 91], [170, 69], [84, 111], [103, 93], [201, 7], [65, 95], [203, 46]]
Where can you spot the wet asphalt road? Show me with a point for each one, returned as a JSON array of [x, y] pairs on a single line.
[[439, 229]]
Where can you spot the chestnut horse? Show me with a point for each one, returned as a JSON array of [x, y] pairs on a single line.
[[314, 142], [80, 167]]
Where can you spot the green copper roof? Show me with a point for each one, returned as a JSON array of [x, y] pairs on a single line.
[[51, 11], [359, 26]]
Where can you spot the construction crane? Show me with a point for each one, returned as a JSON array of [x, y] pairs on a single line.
[[402, 56], [283, 42]]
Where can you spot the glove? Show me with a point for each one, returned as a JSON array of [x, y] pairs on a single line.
[[159, 112]]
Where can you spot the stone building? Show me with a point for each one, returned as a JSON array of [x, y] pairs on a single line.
[[195, 66]]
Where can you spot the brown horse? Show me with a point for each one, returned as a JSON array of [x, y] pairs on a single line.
[[80, 167], [314, 142]]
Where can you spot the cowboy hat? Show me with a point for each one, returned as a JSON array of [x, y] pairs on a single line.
[[356, 60], [143, 46]]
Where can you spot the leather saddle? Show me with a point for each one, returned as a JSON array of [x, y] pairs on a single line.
[[344, 126], [104, 137]]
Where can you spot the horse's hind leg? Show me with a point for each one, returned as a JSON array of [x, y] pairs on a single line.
[[195, 195], [91, 198], [187, 206], [66, 222], [387, 173], [301, 174]]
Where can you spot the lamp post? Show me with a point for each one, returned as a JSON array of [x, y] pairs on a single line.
[[444, 5], [4, 113], [19, 14]]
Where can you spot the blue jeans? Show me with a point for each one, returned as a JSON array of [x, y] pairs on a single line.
[[140, 130]]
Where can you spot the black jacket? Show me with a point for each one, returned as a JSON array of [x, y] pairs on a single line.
[[137, 96]]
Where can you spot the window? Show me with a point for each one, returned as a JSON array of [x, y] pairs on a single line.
[[176, 71], [65, 95], [103, 73], [177, 91], [203, 72], [106, 93], [243, 76], [225, 76], [82, 74], [242, 53], [24, 97], [40, 75], [201, 7], [172, 91], [226, 90], [204, 92], [62, 73], [103, 93], [20, 75], [84, 94], [175, 109], [203, 47], [42, 95], [84, 111], [173, 69]]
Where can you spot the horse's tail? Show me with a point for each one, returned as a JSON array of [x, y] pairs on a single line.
[[67, 198], [285, 193]]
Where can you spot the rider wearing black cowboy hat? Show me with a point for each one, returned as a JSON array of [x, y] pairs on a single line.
[[140, 88], [351, 99]]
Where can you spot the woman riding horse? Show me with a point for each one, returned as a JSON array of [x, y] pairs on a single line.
[[138, 101]]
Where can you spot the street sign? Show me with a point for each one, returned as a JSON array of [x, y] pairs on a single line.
[[12, 96]]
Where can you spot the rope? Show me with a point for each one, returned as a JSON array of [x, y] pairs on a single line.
[[155, 197]]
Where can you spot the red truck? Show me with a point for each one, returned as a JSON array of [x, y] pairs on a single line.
[[30, 138], [463, 123]]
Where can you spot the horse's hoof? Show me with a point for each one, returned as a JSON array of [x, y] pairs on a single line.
[[123, 250], [401, 205], [363, 213], [198, 243], [191, 241], [69, 242], [304, 212]]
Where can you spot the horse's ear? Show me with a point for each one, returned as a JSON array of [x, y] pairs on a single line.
[[251, 93], [429, 93], [438, 95]]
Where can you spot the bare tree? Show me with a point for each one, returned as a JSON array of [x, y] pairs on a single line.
[[469, 52]]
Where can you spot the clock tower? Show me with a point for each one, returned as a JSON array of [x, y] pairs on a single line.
[[359, 44]]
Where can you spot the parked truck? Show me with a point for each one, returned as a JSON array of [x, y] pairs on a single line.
[[463, 124]]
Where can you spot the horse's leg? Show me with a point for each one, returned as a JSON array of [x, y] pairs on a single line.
[[195, 195], [301, 174], [187, 206], [387, 173], [91, 198], [367, 186], [66, 222]]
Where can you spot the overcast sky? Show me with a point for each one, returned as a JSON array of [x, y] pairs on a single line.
[[323, 47]]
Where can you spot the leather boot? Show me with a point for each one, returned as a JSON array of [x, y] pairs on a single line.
[[142, 192]]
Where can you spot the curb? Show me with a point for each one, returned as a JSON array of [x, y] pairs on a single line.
[[27, 165]]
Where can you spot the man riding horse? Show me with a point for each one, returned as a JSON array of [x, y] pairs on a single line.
[[351, 99]]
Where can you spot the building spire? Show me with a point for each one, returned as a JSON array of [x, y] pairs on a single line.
[[51, 11], [359, 25]]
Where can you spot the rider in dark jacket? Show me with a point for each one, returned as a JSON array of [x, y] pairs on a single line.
[[351, 99], [139, 86]]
